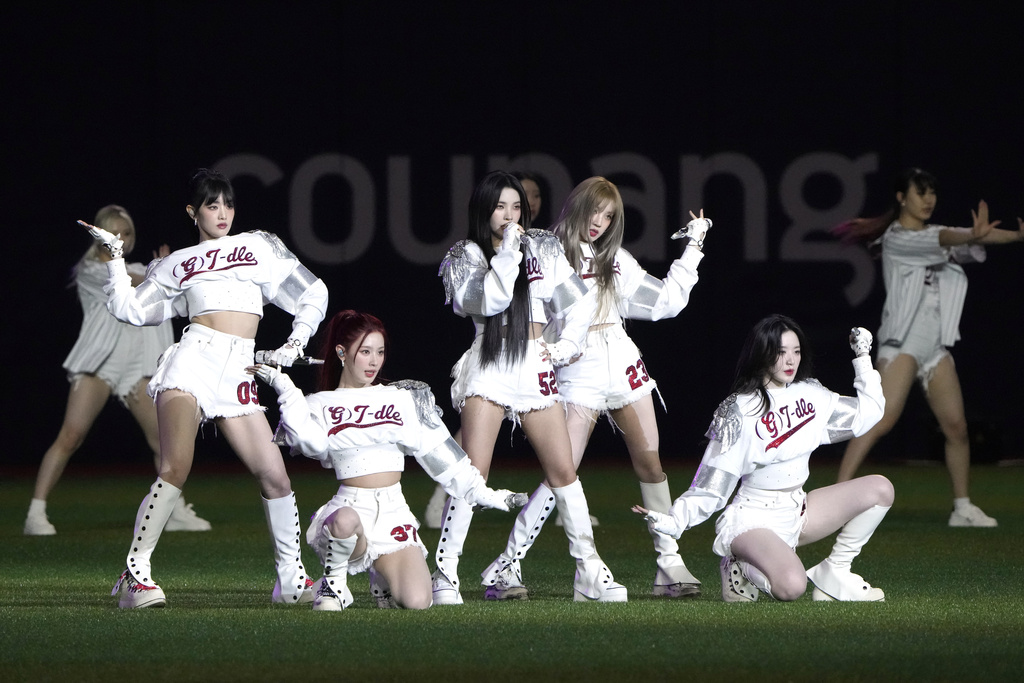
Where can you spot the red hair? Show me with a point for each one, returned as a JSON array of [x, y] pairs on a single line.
[[347, 328]]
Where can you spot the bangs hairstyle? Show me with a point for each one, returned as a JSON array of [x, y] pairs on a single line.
[[482, 204], [347, 328], [206, 185], [572, 228], [760, 352], [868, 230]]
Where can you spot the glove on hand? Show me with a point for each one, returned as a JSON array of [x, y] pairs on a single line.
[[286, 355], [695, 230], [512, 237], [562, 352], [111, 242], [663, 523], [486, 497], [860, 341], [277, 380]]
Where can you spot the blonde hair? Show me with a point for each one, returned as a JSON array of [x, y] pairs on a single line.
[[572, 228], [106, 218]]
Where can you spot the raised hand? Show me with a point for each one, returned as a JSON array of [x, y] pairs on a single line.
[[982, 226], [695, 229], [111, 242], [512, 237], [860, 341]]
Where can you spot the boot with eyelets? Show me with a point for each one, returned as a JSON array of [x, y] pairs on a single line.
[[293, 586], [136, 586], [332, 593]]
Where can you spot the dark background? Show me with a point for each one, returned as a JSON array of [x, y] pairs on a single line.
[[119, 103]]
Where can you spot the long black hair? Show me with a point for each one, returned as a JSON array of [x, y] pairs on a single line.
[[517, 316], [761, 351]]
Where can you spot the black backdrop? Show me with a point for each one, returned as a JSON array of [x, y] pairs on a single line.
[[355, 131]]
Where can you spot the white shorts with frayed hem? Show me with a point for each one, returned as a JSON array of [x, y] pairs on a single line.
[[782, 512], [519, 388], [609, 375]]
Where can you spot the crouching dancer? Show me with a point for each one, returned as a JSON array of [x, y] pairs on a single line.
[[762, 437], [364, 428]]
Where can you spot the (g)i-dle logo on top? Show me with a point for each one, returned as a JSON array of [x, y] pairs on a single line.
[[213, 261], [360, 417], [782, 423]]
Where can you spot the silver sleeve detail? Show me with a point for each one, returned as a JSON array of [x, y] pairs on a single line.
[[293, 287], [840, 422], [454, 270], [643, 301], [567, 293], [714, 480], [152, 300], [280, 251], [473, 299], [423, 398], [441, 459], [726, 423]]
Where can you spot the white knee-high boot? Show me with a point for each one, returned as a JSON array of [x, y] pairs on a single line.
[[832, 577], [594, 581], [292, 585], [137, 587], [458, 514], [527, 527], [673, 579], [332, 594]]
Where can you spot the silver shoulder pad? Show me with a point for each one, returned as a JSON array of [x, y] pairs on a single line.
[[726, 423], [280, 251], [455, 268], [423, 398], [545, 244]]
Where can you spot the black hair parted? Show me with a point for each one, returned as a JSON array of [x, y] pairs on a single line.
[[760, 352]]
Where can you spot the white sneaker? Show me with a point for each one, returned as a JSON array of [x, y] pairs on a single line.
[[444, 592], [327, 600], [508, 585], [435, 508], [968, 515], [135, 595], [735, 586], [184, 518], [39, 525]]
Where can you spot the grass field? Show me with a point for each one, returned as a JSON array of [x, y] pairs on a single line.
[[954, 609]]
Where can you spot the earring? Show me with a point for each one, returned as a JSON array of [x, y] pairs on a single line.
[[341, 357]]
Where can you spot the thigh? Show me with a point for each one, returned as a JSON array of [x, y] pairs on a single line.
[[86, 398], [143, 409], [765, 550], [549, 437], [178, 421], [945, 397], [481, 422], [408, 576], [639, 427], [830, 507], [898, 376], [252, 441], [579, 422]]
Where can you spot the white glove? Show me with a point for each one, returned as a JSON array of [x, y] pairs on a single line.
[[111, 242], [860, 341], [287, 354], [663, 523], [486, 497], [512, 237], [278, 381], [561, 352], [695, 230]]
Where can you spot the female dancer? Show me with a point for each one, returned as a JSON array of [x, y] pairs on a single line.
[[761, 438], [926, 288], [610, 377], [511, 283], [364, 430], [109, 357], [221, 285]]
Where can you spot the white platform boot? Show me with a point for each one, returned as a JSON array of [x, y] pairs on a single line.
[[332, 593], [832, 577], [503, 578], [594, 581], [293, 586], [136, 585], [673, 579], [742, 581], [458, 515]]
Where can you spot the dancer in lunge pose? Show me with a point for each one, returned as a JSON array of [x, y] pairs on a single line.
[[221, 285], [925, 291], [363, 429], [611, 377], [109, 357], [761, 438], [511, 282]]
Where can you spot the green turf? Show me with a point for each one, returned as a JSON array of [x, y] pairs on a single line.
[[954, 609]]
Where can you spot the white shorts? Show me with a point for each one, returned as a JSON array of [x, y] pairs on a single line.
[[783, 512], [923, 339], [210, 365], [388, 523], [122, 369], [519, 388], [609, 375]]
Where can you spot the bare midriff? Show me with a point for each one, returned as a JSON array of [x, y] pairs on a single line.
[[230, 322], [374, 481]]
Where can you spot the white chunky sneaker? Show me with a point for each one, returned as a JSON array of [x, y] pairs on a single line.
[[135, 595], [508, 585], [968, 515], [39, 525], [444, 592], [327, 600], [735, 586], [184, 518]]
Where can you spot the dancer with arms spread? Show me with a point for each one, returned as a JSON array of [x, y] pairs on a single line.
[[221, 285], [761, 440]]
